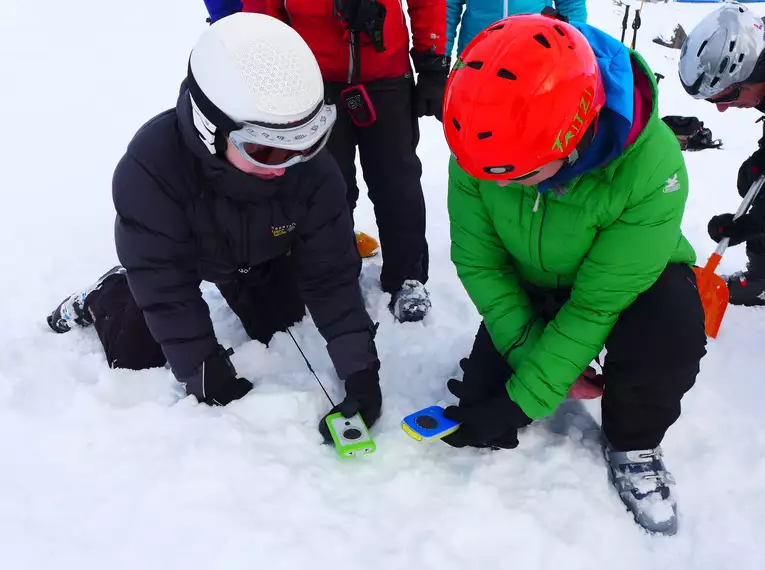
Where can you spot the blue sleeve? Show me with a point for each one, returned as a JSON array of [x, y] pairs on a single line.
[[221, 8], [574, 10], [453, 17]]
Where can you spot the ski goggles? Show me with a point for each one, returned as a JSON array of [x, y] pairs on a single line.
[[270, 145], [503, 170], [731, 97]]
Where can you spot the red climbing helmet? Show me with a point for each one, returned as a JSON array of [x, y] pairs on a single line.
[[523, 94]]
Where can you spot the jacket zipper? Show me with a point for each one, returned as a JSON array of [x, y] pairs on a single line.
[[244, 234], [540, 199], [350, 62], [541, 227]]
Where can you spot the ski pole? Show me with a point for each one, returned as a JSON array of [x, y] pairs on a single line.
[[624, 21], [636, 24]]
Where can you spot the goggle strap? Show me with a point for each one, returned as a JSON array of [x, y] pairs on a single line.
[[211, 112]]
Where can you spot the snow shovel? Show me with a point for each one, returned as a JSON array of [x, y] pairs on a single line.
[[712, 288]]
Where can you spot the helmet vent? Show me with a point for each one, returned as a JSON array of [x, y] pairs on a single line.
[[505, 74], [724, 64], [732, 68], [508, 168], [560, 31], [740, 57], [456, 124], [732, 45], [474, 64], [497, 27], [484, 135], [542, 40], [701, 48], [714, 82]]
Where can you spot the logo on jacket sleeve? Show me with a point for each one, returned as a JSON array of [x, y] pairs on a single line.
[[672, 184], [278, 231]]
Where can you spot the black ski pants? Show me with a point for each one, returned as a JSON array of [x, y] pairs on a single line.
[[266, 300], [652, 360], [392, 171]]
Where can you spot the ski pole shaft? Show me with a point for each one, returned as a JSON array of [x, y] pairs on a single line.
[[625, 20]]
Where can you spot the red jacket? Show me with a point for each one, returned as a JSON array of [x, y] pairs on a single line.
[[316, 22]]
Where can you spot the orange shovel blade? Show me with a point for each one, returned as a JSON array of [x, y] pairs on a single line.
[[714, 295]]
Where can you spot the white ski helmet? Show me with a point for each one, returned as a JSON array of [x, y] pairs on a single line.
[[253, 75], [722, 50]]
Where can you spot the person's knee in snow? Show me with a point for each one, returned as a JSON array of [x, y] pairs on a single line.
[[233, 182]]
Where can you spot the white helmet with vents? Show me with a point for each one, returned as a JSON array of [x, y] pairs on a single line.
[[722, 50], [254, 81]]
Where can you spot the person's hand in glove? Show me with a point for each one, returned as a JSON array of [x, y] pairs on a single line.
[[491, 423], [479, 383], [738, 231], [432, 73], [362, 395], [215, 382], [752, 168]]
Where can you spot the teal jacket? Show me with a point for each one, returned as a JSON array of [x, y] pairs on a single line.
[[475, 15]]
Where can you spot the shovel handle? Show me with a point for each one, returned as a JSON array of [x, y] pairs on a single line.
[[712, 263], [751, 194]]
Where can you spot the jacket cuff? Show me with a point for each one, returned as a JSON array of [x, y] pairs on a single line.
[[353, 352], [426, 62]]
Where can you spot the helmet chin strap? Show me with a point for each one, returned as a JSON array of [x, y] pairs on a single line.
[[584, 143]]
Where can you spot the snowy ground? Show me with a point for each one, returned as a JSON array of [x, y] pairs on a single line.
[[111, 469]]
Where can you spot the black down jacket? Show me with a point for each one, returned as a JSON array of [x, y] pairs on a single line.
[[184, 215]]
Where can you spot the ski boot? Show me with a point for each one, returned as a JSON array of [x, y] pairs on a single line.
[[72, 310], [410, 303], [748, 287], [366, 245], [642, 481]]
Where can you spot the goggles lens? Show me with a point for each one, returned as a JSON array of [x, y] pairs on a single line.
[[270, 146]]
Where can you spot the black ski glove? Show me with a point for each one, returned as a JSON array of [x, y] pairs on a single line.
[[432, 73], [362, 395], [491, 423], [218, 383], [738, 231], [751, 169], [478, 383]]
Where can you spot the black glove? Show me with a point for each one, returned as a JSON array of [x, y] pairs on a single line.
[[738, 231], [491, 423], [478, 383], [362, 395], [219, 382], [751, 169], [432, 73]]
